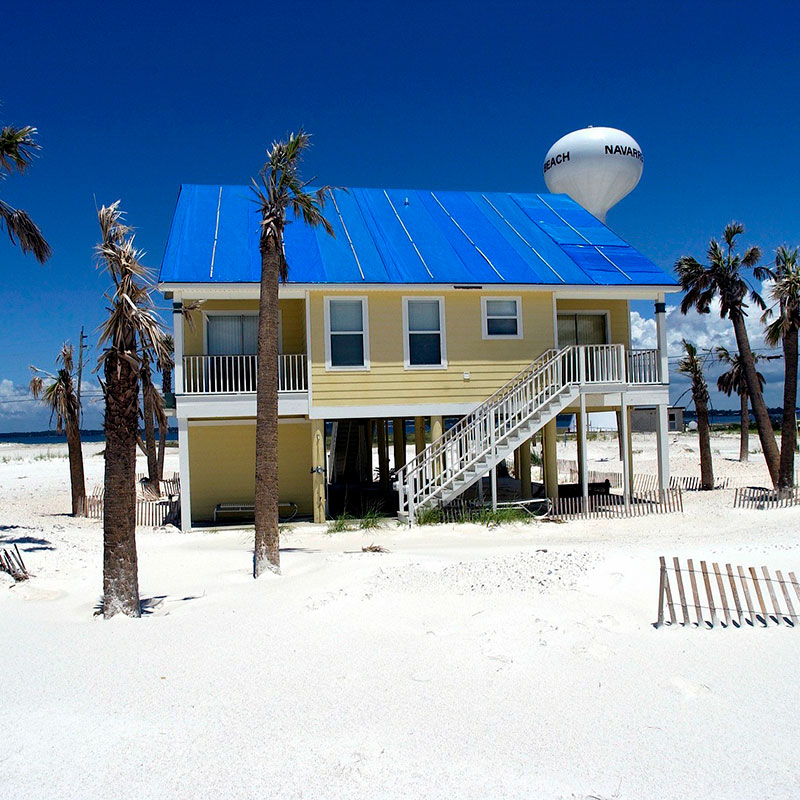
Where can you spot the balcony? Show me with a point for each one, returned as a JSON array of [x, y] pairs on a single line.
[[220, 375]]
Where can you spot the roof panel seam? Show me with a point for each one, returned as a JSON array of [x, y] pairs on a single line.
[[621, 271], [466, 236]]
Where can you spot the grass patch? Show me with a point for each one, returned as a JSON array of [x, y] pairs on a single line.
[[502, 516], [342, 523], [431, 515], [373, 518]]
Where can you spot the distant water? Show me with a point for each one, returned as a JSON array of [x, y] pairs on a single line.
[[51, 437]]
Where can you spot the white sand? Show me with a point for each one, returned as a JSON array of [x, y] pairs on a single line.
[[465, 663]]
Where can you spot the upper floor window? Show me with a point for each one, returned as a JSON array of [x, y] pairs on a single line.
[[231, 334], [501, 317], [582, 329], [346, 333], [423, 332]]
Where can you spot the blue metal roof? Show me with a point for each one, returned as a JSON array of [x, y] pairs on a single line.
[[394, 236]]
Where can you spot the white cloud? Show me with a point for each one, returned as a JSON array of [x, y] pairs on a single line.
[[707, 331], [19, 411]]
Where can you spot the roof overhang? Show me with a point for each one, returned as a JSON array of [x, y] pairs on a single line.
[[245, 291]]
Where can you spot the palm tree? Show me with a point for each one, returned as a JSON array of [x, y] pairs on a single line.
[[165, 365], [692, 365], [279, 188], [153, 414], [784, 328], [17, 150], [733, 381], [60, 396], [723, 277], [131, 331]]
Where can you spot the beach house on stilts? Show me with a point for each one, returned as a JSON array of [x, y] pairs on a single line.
[[468, 319]]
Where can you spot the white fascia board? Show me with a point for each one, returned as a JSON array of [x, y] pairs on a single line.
[[289, 404], [250, 291], [380, 411]]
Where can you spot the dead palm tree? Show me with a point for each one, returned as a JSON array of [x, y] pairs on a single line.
[[723, 277], [733, 381], [17, 150], [279, 188], [131, 330], [692, 365], [58, 393], [784, 329]]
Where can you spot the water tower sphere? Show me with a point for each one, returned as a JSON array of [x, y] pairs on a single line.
[[596, 167]]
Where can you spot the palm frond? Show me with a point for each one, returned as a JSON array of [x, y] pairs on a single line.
[[22, 230], [18, 147]]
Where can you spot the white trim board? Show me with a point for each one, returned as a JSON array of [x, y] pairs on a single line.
[[250, 291], [214, 423], [381, 411]]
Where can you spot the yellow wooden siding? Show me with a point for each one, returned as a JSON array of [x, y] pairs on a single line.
[[293, 318], [222, 465], [618, 315], [490, 362]]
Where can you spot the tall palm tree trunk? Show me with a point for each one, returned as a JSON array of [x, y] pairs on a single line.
[[120, 567], [266, 554], [789, 422], [704, 433], [149, 428], [163, 428], [76, 478], [763, 422], [744, 422]]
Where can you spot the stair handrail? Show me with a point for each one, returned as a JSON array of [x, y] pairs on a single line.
[[548, 363], [497, 417]]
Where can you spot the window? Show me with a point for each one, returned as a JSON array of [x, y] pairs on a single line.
[[501, 317], [423, 330], [346, 336], [582, 329]]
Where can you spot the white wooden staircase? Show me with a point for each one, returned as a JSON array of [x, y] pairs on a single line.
[[477, 443]]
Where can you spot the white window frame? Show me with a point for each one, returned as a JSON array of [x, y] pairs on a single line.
[[588, 312], [365, 333], [442, 334], [229, 313], [485, 318]]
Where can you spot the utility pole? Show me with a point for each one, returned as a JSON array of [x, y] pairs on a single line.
[[81, 348]]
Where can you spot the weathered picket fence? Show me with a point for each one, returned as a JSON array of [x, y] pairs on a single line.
[[613, 505], [716, 608], [761, 498], [169, 486], [646, 482], [152, 513]]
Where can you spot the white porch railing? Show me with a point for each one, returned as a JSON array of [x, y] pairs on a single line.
[[643, 366], [238, 374]]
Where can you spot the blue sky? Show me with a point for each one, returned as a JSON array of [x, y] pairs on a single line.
[[131, 100]]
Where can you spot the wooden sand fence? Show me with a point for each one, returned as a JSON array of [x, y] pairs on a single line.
[[613, 506], [149, 512], [647, 483], [710, 607], [761, 498]]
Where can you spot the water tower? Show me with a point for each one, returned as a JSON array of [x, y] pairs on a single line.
[[596, 167]]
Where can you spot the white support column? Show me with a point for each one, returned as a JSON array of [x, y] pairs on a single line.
[[186, 484], [494, 488], [623, 441], [662, 442], [177, 338], [583, 464], [661, 337]]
